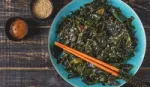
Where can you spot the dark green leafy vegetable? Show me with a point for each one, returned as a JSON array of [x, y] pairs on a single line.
[[99, 30]]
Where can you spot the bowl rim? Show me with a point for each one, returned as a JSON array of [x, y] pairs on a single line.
[[49, 39]]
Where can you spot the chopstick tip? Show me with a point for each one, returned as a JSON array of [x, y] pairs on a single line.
[[55, 43]]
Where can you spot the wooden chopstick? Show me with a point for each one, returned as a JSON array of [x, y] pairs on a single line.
[[104, 66]]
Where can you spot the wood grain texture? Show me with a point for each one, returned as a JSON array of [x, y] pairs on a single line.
[[44, 78], [30, 52], [24, 63]]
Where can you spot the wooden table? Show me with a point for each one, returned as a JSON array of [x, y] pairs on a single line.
[[26, 63]]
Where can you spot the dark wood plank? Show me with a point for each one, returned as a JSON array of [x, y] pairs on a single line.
[[48, 78], [31, 79], [30, 52], [146, 62]]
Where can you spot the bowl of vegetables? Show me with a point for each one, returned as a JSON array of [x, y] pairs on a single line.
[[108, 30]]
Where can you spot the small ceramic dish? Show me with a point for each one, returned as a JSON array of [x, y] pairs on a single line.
[[39, 19], [8, 28]]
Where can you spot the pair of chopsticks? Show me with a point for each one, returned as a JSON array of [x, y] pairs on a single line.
[[106, 67]]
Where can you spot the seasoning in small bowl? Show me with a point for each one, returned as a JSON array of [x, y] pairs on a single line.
[[41, 9], [16, 28]]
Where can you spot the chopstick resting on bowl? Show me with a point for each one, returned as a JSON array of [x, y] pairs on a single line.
[[106, 67]]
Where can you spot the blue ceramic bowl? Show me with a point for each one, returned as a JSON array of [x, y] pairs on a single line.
[[127, 11]]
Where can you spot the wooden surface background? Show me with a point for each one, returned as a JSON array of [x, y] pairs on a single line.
[[26, 63]]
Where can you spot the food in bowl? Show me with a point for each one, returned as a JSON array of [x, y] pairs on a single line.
[[41, 9], [18, 29], [101, 31]]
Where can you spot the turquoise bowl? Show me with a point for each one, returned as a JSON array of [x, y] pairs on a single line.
[[127, 11]]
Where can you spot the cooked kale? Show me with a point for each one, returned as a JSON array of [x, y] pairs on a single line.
[[101, 31]]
